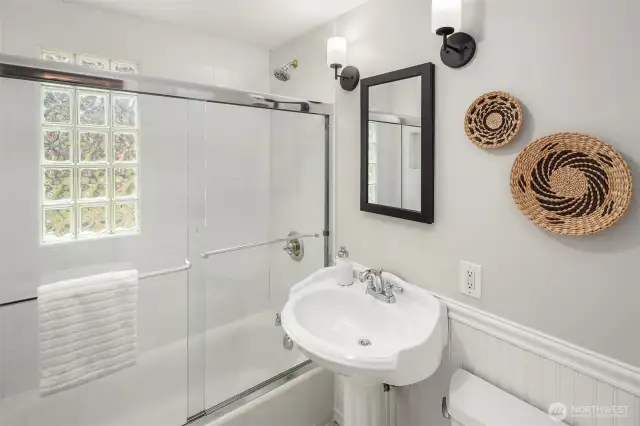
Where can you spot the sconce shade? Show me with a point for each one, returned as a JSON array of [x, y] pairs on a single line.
[[336, 51], [446, 13]]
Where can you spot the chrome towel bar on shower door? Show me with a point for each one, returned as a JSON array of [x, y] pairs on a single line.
[[185, 267], [208, 254]]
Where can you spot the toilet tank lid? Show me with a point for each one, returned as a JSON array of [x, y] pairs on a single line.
[[474, 402]]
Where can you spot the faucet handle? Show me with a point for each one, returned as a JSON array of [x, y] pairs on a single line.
[[397, 289], [390, 288]]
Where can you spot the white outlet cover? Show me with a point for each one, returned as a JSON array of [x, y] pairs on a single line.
[[476, 288]]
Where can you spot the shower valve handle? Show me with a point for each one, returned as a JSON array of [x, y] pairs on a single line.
[[290, 247]]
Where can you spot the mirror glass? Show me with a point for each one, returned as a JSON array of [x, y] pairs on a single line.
[[394, 143]]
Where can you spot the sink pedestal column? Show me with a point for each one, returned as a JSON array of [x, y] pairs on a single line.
[[363, 402]]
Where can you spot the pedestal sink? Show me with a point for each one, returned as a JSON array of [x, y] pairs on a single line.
[[366, 340]]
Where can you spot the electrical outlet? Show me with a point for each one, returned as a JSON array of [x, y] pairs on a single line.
[[470, 279]]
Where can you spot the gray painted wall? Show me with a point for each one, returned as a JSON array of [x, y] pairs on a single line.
[[564, 60]]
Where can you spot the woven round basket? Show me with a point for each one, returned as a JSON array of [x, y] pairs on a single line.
[[493, 120], [571, 184]]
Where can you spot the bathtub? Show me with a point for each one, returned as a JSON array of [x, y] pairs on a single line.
[[243, 354]]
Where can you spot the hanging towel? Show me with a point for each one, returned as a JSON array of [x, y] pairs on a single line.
[[87, 329]]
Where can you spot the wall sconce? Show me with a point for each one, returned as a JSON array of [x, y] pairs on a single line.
[[336, 58], [457, 48]]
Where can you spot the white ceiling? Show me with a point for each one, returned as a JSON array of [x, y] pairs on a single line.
[[266, 23]]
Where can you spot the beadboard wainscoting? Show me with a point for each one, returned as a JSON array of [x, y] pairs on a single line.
[[534, 367]]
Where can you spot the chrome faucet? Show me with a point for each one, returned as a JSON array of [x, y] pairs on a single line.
[[373, 278], [378, 287]]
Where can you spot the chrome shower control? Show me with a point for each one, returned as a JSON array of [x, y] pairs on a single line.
[[294, 247]]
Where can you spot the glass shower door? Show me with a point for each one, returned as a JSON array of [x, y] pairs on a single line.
[[53, 238], [265, 177]]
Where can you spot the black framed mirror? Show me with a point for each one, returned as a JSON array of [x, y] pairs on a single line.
[[397, 143]]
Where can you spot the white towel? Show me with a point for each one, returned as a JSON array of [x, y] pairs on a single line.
[[87, 329]]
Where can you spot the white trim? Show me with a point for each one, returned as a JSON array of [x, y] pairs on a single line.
[[603, 368], [614, 372]]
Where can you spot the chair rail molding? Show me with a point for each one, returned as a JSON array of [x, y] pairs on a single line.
[[609, 370]]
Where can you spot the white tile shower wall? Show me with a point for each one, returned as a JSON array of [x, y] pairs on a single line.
[[580, 290], [159, 49]]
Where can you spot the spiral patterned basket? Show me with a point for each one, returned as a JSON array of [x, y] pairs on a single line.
[[571, 184], [493, 120]]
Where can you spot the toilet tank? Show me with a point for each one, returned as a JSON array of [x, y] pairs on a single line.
[[474, 402]]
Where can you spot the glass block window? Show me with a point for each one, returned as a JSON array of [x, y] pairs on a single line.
[[90, 154]]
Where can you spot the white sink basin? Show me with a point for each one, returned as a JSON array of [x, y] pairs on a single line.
[[329, 324]]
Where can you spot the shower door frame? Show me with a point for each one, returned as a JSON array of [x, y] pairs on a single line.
[[20, 68]]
